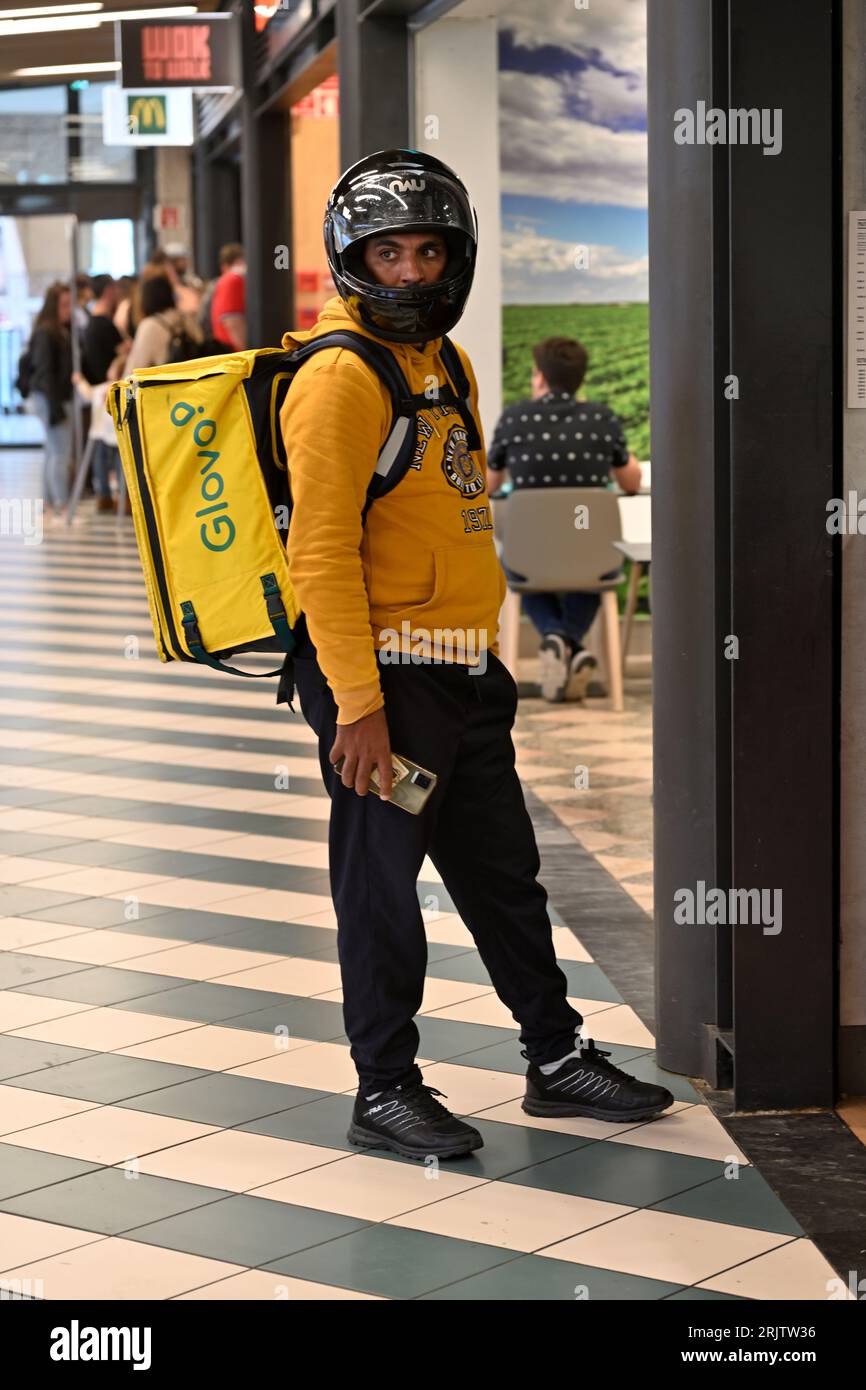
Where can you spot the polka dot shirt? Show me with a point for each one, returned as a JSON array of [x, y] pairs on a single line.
[[558, 441]]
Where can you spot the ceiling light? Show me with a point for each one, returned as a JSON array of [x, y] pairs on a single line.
[[17, 28], [59, 69], [33, 11]]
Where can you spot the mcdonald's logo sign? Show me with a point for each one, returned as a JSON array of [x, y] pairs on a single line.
[[147, 115]]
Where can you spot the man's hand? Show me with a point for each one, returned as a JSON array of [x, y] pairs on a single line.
[[364, 745]]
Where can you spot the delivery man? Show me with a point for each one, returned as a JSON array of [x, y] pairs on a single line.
[[417, 572]]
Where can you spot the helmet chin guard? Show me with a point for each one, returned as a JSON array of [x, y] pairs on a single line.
[[401, 191]]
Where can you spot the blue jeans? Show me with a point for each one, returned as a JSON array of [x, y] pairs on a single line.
[[569, 615], [58, 451], [104, 462]]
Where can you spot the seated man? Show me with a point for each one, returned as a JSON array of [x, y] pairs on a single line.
[[554, 440]]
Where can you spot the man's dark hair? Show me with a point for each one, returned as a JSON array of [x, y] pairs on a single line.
[[157, 295], [562, 362], [100, 284], [231, 252]]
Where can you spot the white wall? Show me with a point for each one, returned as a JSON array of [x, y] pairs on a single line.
[[457, 120], [174, 189]]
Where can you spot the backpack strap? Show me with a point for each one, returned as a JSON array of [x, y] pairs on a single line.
[[453, 365], [397, 451]]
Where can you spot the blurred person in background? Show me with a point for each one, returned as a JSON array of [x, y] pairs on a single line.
[[126, 290], [83, 297], [102, 340], [164, 333], [554, 440], [186, 277], [51, 389], [102, 356], [228, 300]]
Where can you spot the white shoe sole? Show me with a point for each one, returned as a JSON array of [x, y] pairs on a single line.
[[553, 673]]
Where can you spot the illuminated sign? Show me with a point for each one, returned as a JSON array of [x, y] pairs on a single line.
[[146, 118], [200, 52]]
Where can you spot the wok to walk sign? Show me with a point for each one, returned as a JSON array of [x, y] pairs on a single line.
[[199, 51]]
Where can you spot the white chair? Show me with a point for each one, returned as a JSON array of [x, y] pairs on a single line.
[[562, 539]]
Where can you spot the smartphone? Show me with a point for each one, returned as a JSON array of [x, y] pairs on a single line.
[[413, 785]]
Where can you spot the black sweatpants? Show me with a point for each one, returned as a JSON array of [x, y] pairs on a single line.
[[477, 831]]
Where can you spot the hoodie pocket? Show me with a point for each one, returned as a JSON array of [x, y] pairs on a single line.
[[468, 590]]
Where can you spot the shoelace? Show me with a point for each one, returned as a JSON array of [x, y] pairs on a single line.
[[592, 1053], [421, 1097]]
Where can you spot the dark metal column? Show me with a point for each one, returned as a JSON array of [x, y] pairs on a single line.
[[745, 278], [373, 64], [685, 529], [786, 465], [265, 177]]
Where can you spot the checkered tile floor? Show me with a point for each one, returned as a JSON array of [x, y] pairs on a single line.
[[175, 1083]]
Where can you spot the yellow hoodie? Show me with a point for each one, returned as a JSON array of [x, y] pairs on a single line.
[[422, 574]]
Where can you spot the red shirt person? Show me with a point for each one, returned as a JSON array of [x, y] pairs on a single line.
[[228, 300]]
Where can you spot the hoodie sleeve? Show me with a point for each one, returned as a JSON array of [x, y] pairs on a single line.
[[334, 422]]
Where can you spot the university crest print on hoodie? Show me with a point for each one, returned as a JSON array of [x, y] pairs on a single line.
[[424, 565]]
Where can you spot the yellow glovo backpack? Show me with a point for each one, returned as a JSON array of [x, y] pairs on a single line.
[[206, 471]]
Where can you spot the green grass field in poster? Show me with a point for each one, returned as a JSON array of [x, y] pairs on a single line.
[[616, 336]]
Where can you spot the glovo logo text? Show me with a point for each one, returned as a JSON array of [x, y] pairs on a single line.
[[218, 532]]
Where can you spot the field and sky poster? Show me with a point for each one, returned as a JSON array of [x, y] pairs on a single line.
[[574, 206]]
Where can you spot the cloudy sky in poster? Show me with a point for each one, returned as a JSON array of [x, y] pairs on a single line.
[[573, 150]]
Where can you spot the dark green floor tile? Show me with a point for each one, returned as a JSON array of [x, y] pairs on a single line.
[[23, 796], [247, 1230], [28, 757], [469, 967], [534, 1279], [92, 805], [203, 1002], [392, 1261], [16, 901], [444, 1038], [588, 982], [222, 1100], [18, 968], [323, 1121], [111, 1200], [99, 853], [93, 762], [23, 1056], [632, 1176], [105, 985], [96, 913], [440, 950], [316, 1019], [190, 926], [282, 938], [107, 1077], [704, 1296], [24, 1170], [746, 1200], [25, 842], [293, 878]]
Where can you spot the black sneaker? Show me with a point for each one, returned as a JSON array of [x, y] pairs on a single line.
[[582, 674], [589, 1085], [554, 656], [409, 1120]]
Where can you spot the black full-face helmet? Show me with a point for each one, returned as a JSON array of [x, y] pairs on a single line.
[[401, 191]]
